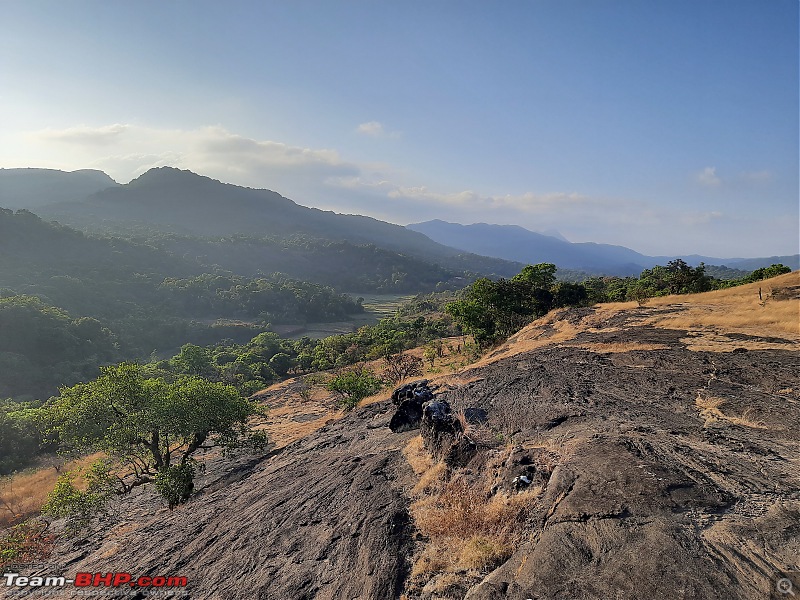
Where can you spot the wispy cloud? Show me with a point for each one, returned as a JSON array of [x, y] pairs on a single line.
[[708, 177], [376, 129], [126, 151], [82, 135]]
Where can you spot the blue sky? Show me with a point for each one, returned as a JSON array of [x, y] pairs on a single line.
[[669, 127]]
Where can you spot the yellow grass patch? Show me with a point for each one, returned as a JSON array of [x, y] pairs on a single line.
[[710, 315], [547, 331], [23, 494], [469, 529], [709, 407], [416, 455], [430, 480]]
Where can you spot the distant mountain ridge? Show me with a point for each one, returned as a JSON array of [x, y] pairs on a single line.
[[32, 188], [181, 202], [185, 203], [513, 242]]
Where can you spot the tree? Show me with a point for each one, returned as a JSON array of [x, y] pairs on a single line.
[[195, 360], [767, 272], [402, 366], [353, 385], [541, 276], [146, 425], [493, 310], [569, 294], [281, 363]]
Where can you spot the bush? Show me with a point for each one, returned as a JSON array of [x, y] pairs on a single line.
[[353, 385], [402, 366], [77, 506], [175, 483]]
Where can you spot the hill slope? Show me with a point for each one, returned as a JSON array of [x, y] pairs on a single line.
[[31, 188], [662, 468], [182, 202], [516, 243]]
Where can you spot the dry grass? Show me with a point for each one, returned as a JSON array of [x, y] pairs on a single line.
[[709, 407], [737, 310], [547, 331], [416, 455], [430, 481], [23, 494], [467, 528]]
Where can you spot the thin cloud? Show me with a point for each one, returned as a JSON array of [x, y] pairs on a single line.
[[708, 177], [322, 178], [126, 151], [91, 136], [376, 129]]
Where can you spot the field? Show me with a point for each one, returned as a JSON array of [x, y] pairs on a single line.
[[377, 307]]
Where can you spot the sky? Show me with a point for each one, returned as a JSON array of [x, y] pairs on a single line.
[[667, 127]]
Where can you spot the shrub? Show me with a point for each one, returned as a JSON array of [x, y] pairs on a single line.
[[402, 366], [79, 506], [175, 483], [26, 542], [353, 385]]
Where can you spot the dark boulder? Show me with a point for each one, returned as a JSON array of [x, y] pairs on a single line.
[[414, 390], [406, 417], [443, 434], [410, 398]]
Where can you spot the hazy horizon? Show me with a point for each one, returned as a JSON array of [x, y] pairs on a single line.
[[666, 128]]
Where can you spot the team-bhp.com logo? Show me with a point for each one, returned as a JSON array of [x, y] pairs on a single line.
[[86, 580]]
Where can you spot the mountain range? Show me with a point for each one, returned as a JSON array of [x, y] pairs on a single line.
[[512, 242], [187, 205], [173, 201]]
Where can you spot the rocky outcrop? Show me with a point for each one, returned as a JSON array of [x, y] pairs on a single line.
[[441, 429], [409, 399]]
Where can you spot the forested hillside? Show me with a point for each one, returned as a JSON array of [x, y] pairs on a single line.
[[170, 200]]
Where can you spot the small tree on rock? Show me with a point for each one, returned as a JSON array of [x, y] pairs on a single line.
[[353, 385], [148, 425]]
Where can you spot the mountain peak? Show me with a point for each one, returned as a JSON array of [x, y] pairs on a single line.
[[161, 175]]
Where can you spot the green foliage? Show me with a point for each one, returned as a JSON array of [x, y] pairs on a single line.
[[21, 437], [766, 273], [675, 278], [275, 298], [492, 310], [175, 483], [541, 276], [41, 346], [353, 385], [78, 506], [281, 363], [147, 424], [569, 294]]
